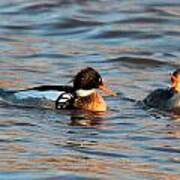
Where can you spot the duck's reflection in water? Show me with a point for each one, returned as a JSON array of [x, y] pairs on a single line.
[[88, 119]]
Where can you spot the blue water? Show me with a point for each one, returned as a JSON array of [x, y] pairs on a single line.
[[133, 44]]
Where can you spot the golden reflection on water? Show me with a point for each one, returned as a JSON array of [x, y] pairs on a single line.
[[115, 49], [8, 83], [174, 133], [83, 165], [23, 156], [162, 175]]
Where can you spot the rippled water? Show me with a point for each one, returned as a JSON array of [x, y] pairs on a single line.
[[134, 45]]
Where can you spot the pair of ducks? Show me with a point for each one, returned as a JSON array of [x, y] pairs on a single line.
[[83, 94]]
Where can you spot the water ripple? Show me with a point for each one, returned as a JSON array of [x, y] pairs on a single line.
[[133, 44]]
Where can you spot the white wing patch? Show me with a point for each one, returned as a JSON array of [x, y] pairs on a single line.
[[64, 101], [49, 95], [64, 98]]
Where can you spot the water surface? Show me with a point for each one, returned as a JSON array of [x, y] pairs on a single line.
[[133, 44]]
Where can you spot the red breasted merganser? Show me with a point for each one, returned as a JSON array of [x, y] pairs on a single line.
[[82, 95], [166, 99]]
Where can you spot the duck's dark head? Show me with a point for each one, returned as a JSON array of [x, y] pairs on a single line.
[[175, 80], [87, 80]]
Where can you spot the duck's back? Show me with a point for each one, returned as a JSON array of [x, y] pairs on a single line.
[[163, 99], [42, 96]]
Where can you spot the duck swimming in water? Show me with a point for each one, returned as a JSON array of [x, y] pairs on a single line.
[[82, 95], [166, 99]]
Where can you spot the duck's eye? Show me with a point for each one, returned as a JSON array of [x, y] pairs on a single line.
[[100, 80]]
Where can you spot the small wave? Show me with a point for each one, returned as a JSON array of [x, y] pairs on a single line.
[[139, 61], [126, 34], [75, 23], [38, 7], [145, 20], [165, 149], [43, 55], [19, 27]]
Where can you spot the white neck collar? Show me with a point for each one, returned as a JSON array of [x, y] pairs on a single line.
[[84, 93]]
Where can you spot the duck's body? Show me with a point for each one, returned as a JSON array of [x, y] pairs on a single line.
[[81, 95], [166, 99], [42, 96], [93, 102]]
